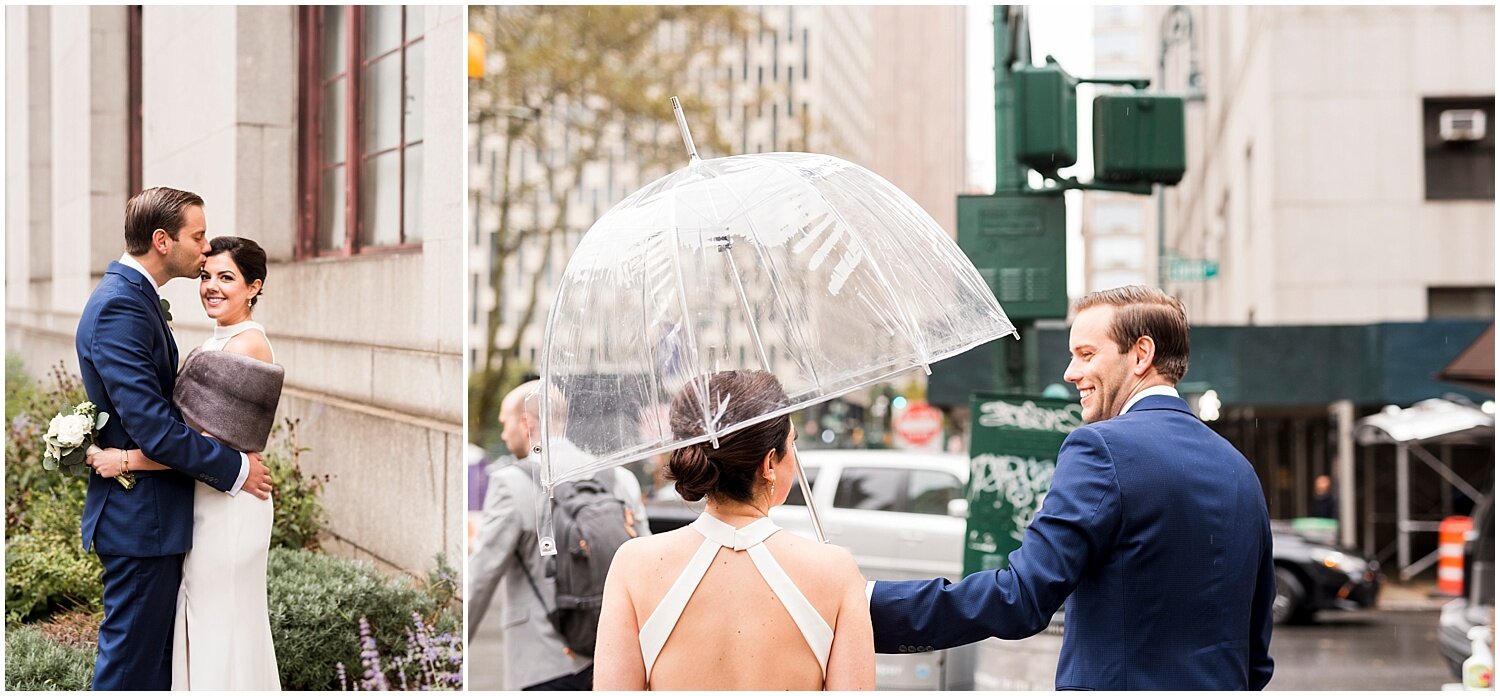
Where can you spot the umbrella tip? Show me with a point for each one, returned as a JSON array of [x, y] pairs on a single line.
[[687, 136]]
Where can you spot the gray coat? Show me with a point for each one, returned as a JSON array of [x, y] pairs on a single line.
[[534, 652]]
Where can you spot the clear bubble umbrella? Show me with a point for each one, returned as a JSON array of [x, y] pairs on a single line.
[[806, 266]]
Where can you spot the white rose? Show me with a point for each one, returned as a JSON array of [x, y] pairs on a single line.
[[70, 430]]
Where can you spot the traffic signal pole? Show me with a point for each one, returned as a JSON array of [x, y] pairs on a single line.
[[1018, 359]]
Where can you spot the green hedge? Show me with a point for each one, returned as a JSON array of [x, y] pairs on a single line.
[[34, 662], [316, 603]]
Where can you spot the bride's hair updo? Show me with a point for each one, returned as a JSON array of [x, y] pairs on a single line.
[[247, 255], [730, 471]]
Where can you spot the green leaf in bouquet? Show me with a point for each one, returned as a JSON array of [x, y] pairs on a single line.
[[80, 469], [74, 458], [99, 424], [49, 463]]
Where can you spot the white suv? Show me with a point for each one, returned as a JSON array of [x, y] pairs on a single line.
[[900, 513]]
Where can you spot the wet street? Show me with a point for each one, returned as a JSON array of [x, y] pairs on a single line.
[[1386, 650]]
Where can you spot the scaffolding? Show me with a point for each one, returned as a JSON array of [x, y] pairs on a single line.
[[1412, 430]]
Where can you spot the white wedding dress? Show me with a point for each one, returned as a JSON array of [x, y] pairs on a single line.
[[222, 639]]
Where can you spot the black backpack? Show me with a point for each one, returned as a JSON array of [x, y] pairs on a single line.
[[590, 524]]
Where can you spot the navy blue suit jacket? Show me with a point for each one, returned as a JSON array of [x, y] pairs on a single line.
[[1156, 535], [128, 361]]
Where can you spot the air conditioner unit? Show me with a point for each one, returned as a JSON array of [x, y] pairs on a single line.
[[1461, 125]]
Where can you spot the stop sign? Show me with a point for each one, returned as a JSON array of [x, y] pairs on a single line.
[[919, 423]]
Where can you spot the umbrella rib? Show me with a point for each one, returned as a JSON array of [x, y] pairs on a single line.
[[687, 325], [781, 297], [650, 353], [911, 334], [734, 274]]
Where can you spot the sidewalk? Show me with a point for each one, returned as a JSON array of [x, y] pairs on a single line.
[[1417, 595]]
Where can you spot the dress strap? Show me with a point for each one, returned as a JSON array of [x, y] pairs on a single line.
[[814, 629], [658, 628]]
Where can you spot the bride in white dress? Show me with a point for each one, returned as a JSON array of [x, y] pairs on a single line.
[[222, 635]]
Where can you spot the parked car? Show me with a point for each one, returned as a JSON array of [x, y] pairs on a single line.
[[1312, 575], [1477, 605]]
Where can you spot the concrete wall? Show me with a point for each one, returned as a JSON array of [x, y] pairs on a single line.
[[371, 343]]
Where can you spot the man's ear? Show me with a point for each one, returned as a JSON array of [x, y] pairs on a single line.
[[159, 239], [1145, 355]]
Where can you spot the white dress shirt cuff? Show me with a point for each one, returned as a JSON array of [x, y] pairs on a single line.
[[244, 474], [869, 591]]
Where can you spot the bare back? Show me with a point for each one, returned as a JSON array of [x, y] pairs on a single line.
[[735, 632]]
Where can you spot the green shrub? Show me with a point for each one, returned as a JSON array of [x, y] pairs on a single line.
[[46, 568], [34, 662], [299, 513], [317, 602], [28, 409]]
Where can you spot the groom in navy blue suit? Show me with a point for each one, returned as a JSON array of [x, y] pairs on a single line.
[[1154, 533], [128, 359]]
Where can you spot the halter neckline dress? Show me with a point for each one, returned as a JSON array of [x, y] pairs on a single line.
[[750, 539]]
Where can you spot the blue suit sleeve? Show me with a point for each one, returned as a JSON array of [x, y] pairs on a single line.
[[1261, 664], [1077, 524], [122, 354]]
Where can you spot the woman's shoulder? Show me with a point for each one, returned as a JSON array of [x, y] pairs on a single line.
[[832, 562], [251, 342]]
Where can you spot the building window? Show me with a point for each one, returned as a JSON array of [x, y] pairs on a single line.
[[1459, 143], [360, 130], [1461, 303]]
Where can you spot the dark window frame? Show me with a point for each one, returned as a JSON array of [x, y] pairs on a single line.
[[134, 176], [310, 168]]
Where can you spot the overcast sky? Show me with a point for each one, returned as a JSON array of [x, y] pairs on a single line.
[[1066, 33]]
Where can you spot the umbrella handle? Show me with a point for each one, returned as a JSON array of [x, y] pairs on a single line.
[[545, 535], [807, 497]]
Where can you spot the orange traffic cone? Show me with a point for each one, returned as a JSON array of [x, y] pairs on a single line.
[[1451, 535]]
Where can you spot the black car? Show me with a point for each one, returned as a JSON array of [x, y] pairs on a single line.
[[1477, 605], [1312, 575]]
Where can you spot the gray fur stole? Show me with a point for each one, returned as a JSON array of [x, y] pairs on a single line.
[[230, 396]]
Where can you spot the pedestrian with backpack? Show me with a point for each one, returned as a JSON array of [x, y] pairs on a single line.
[[549, 607]]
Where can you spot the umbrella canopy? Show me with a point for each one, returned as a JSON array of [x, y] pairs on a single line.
[[805, 266]]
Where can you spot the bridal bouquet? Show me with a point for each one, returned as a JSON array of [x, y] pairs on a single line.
[[70, 437]]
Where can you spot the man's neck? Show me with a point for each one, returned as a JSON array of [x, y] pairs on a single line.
[[153, 266], [1154, 381]]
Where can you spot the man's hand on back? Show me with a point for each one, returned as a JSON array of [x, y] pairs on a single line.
[[258, 483]]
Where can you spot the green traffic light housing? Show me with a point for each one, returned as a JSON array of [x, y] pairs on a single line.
[[1139, 137], [1046, 117]]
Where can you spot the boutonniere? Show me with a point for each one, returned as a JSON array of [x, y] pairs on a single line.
[[166, 309]]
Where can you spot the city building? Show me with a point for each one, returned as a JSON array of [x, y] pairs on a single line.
[[251, 107]]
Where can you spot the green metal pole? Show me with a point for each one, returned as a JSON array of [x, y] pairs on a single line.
[[1010, 177]]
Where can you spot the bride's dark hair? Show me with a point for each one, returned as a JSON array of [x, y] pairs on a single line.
[[729, 471], [247, 255]]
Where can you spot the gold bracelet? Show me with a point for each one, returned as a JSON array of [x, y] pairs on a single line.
[[125, 460]]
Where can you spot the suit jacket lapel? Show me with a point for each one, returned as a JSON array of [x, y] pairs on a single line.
[[152, 298]]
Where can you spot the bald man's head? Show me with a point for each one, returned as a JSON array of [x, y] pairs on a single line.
[[518, 421]]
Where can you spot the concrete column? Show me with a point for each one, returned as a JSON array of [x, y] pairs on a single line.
[[1343, 412], [89, 154], [17, 165]]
